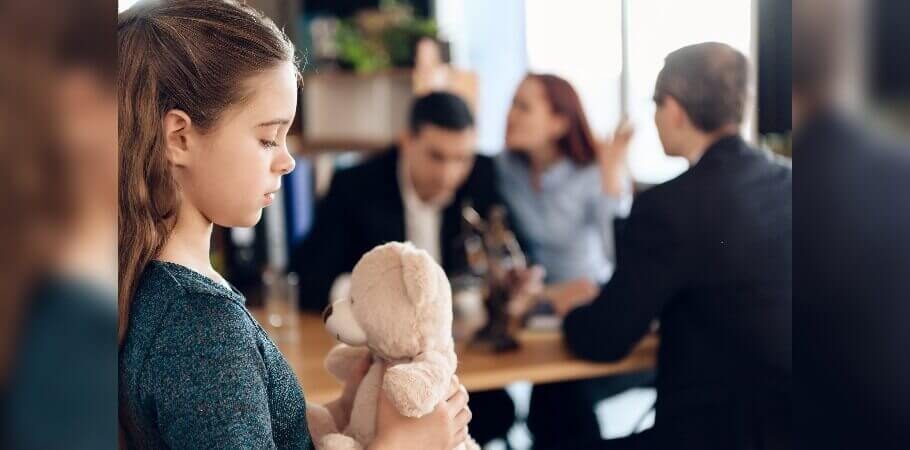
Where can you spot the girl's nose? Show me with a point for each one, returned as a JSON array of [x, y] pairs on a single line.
[[287, 163]]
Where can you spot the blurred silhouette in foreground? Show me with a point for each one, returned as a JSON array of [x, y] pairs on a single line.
[[852, 234], [58, 114]]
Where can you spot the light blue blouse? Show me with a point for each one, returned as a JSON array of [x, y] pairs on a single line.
[[568, 224]]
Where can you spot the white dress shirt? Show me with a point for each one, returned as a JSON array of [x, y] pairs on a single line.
[[422, 220]]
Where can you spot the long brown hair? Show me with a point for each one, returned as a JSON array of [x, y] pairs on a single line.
[[578, 142], [192, 55]]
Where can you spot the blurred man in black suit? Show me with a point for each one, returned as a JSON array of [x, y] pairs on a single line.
[[708, 254]]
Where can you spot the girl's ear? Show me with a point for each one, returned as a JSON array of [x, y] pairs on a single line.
[[177, 125]]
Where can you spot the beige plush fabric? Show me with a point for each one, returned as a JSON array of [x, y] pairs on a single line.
[[400, 310]]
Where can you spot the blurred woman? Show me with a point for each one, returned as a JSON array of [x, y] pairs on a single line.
[[208, 90], [564, 189]]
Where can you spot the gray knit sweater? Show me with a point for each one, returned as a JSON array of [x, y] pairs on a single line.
[[197, 371]]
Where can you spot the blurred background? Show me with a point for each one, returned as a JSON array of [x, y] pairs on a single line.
[[360, 80]]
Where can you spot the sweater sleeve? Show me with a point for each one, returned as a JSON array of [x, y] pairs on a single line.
[[211, 393]]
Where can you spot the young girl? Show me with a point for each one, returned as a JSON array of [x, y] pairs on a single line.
[[207, 92]]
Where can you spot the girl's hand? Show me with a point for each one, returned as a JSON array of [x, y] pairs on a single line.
[[612, 157], [442, 429]]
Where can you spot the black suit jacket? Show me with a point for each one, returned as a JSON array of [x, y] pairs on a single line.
[[363, 209], [709, 255]]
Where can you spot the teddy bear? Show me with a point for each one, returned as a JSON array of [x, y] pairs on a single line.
[[398, 312]]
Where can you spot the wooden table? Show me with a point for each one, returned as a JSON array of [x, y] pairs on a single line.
[[541, 359]]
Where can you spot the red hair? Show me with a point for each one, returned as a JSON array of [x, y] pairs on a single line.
[[578, 142]]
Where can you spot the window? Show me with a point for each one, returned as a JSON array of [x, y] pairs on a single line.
[[582, 42]]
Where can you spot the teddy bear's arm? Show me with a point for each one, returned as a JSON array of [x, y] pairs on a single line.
[[416, 387]]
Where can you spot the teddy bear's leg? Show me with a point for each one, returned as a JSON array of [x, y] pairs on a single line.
[[319, 421], [470, 444], [338, 441]]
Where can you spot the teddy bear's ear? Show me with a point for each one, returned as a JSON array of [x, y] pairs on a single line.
[[418, 271]]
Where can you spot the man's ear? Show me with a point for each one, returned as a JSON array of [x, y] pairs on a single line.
[[406, 141], [676, 113], [404, 138], [177, 126]]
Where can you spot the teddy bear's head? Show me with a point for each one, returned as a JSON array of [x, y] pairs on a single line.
[[400, 304]]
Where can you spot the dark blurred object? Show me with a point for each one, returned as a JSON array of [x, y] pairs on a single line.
[[774, 75], [775, 60], [345, 8], [246, 258], [888, 41], [852, 231]]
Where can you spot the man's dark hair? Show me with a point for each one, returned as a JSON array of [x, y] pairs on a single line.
[[709, 80], [441, 109]]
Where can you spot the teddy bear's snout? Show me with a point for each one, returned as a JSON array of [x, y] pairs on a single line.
[[326, 313]]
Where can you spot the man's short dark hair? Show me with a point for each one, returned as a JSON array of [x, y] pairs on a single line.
[[709, 80], [441, 109]]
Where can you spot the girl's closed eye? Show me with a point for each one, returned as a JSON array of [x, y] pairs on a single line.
[[268, 144]]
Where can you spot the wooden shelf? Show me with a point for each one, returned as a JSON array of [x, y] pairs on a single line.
[[324, 145]]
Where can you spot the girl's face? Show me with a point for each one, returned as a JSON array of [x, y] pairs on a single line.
[[232, 171], [532, 124]]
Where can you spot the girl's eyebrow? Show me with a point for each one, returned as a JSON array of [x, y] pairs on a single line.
[[274, 122]]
